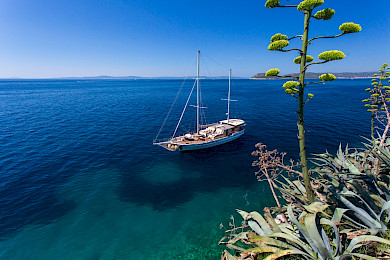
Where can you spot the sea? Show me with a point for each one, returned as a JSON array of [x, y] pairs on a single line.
[[80, 177]]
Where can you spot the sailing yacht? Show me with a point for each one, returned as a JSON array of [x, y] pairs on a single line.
[[209, 135]]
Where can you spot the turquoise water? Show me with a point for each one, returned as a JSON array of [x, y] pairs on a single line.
[[80, 178]]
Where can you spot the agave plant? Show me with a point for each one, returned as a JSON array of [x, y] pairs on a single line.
[[314, 234]]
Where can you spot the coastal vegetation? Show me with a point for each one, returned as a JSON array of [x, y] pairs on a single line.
[[341, 208], [315, 75], [350, 216], [297, 87]]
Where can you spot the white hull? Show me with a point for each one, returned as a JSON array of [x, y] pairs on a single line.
[[205, 136], [192, 147]]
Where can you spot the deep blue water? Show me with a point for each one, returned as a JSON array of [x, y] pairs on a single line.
[[80, 178]]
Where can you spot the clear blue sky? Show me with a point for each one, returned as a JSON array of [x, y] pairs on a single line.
[[56, 38]]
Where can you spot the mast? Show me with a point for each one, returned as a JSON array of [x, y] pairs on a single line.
[[197, 96], [228, 112]]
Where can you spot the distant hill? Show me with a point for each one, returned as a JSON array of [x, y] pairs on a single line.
[[314, 75]]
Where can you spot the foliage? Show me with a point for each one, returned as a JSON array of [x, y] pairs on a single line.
[[325, 14], [278, 37], [272, 72], [327, 77], [297, 60], [272, 3], [309, 4], [279, 42], [331, 55], [291, 87], [349, 218], [350, 28], [378, 102], [278, 45]]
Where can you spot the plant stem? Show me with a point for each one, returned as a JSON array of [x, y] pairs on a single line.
[[301, 129], [271, 185]]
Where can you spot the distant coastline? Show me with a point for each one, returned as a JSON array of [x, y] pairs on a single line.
[[315, 75], [120, 78], [258, 76]]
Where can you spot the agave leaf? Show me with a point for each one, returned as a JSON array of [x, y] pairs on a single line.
[[301, 228], [378, 199], [226, 255], [312, 229], [234, 247], [352, 168], [338, 214], [385, 207], [357, 225], [336, 241], [363, 239], [262, 240], [255, 227], [363, 256], [365, 195], [316, 207], [350, 193], [252, 223], [340, 154], [361, 214], [292, 185], [326, 240], [263, 249], [284, 253], [291, 239], [271, 221], [262, 222], [300, 187], [242, 235]]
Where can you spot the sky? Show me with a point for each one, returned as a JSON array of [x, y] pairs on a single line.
[[65, 38]]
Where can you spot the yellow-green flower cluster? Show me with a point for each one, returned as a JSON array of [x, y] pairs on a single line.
[[327, 77], [325, 14], [350, 28], [297, 60], [278, 37], [310, 95], [291, 87], [278, 45], [272, 3], [309, 4], [272, 72], [331, 55]]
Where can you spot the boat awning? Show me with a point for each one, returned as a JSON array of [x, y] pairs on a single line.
[[233, 122]]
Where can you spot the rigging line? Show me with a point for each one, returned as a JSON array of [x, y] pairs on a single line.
[[188, 99], [174, 102], [215, 61], [212, 109]]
